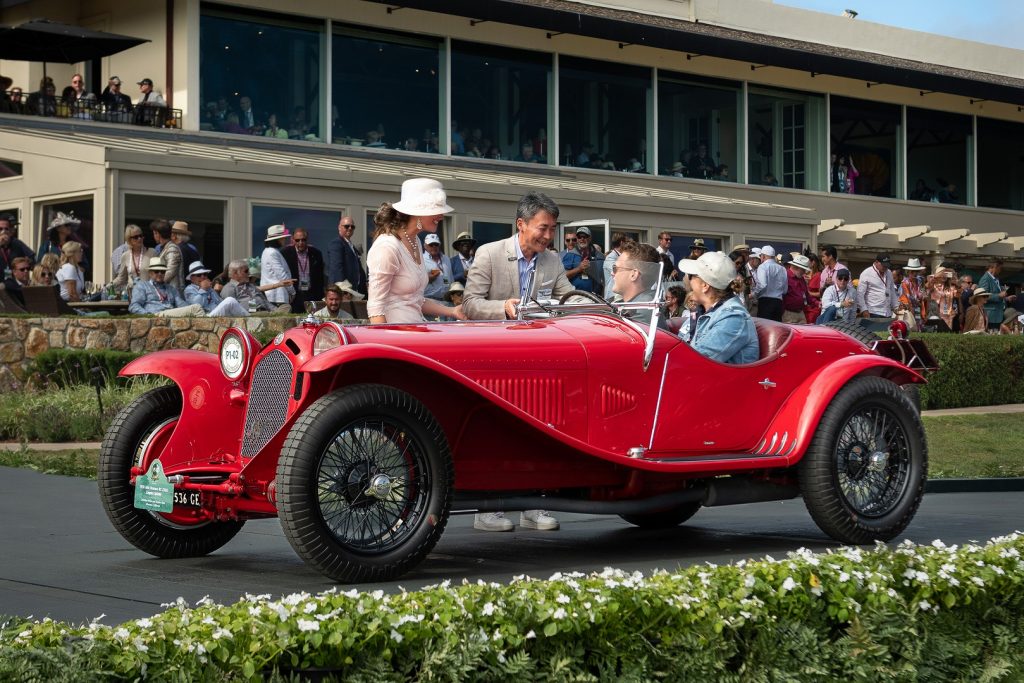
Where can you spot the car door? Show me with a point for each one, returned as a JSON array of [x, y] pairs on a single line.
[[709, 407]]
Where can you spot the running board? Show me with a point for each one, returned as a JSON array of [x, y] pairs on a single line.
[[723, 491]]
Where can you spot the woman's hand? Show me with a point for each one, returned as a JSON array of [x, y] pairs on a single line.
[[457, 313]]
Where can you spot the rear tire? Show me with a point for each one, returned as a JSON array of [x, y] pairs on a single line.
[[665, 519], [365, 483], [863, 475], [124, 447]]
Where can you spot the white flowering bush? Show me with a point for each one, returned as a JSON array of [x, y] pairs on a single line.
[[907, 613]]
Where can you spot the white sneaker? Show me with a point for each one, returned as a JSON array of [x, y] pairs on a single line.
[[492, 521], [538, 519]]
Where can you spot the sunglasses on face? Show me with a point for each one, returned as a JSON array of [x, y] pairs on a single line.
[[299, 239], [45, 274], [570, 240], [348, 227], [616, 268], [21, 270], [135, 237]]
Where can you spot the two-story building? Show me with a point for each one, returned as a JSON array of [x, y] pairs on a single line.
[[717, 119]]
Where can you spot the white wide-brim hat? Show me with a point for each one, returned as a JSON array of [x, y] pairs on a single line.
[[156, 263], [713, 267], [197, 268], [914, 264], [801, 261], [276, 232], [347, 287], [423, 197]]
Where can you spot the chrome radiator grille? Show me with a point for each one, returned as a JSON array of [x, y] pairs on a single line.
[[268, 402]]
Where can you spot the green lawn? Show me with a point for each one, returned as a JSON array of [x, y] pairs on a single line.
[[959, 446]]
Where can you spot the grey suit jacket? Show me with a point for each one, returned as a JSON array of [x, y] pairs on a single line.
[[494, 278]]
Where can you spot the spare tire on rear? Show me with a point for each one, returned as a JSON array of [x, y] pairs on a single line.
[[854, 330]]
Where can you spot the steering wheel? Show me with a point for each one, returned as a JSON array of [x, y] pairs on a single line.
[[587, 295]]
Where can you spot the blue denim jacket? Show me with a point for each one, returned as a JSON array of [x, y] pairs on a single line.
[[146, 300], [726, 334]]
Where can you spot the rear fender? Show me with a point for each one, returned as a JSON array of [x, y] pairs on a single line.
[[791, 431], [210, 428]]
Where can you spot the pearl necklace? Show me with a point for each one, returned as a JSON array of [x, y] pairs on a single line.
[[411, 241]]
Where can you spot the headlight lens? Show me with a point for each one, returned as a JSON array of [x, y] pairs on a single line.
[[233, 355], [326, 338]]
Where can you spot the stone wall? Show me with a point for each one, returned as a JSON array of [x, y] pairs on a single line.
[[22, 339]]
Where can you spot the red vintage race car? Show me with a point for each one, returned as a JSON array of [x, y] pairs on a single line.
[[363, 439]]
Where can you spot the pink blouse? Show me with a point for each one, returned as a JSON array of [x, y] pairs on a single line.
[[396, 282]]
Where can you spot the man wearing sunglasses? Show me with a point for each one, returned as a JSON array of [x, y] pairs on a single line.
[[21, 269], [306, 264], [634, 275], [10, 246]]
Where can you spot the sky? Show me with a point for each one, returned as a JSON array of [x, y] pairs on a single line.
[[999, 22]]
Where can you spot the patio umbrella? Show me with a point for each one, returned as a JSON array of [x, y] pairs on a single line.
[[41, 40]]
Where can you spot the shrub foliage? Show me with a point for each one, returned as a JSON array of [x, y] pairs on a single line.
[[975, 370], [912, 613], [70, 367]]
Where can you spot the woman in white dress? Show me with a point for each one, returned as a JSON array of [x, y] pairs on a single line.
[[70, 277], [397, 275]]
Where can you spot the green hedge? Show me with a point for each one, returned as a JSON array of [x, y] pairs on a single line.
[[70, 414], [975, 370], [910, 613], [70, 367]]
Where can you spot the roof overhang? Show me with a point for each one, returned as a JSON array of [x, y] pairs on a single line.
[[636, 28]]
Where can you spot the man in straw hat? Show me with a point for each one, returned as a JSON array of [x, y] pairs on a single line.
[[202, 292], [155, 297], [464, 245], [181, 236]]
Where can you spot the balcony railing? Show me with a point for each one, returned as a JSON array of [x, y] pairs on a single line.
[[34, 104]]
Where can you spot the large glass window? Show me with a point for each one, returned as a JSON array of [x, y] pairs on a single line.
[[698, 127], [500, 102], [786, 139], [1000, 164], [320, 224], [938, 146], [386, 90], [603, 117], [259, 75], [491, 231], [866, 136]]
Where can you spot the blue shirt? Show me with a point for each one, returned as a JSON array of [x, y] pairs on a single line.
[[524, 266], [726, 333], [572, 259], [770, 280], [208, 299], [149, 297]]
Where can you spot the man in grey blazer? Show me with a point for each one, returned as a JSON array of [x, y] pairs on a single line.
[[501, 270], [494, 285]]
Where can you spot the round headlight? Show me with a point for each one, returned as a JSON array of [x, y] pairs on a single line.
[[234, 353], [327, 338]]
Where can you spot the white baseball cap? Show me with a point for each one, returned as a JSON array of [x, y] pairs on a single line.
[[768, 250], [713, 267], [432, 239]]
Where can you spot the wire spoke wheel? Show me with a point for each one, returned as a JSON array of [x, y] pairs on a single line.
[[372, 485], [863, 475], [365, 482], [872, 462]]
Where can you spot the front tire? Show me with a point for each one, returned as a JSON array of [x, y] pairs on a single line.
[[863, 475], [134, 439], [365, 482]]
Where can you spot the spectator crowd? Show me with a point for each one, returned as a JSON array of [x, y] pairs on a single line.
[[77, 101]]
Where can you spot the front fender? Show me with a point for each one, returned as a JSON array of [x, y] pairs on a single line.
[[210, 427], [791, 431]]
